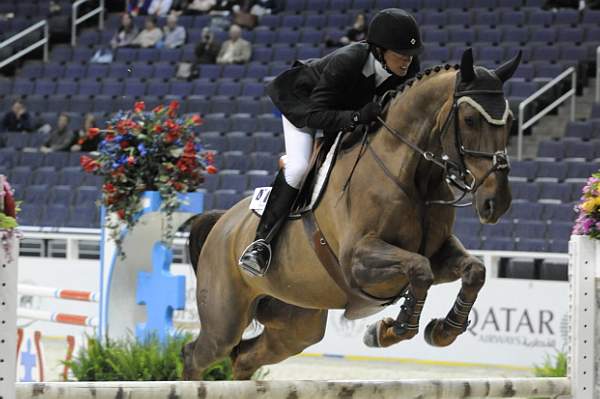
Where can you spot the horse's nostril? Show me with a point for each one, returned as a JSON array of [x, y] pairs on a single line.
[[489, 206]]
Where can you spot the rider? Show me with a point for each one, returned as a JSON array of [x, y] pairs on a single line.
[[331, 94]]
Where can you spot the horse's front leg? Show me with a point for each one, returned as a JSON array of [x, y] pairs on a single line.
[[451, 263], [375, 262]]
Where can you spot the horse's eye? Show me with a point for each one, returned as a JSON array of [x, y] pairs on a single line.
[[470, 121]]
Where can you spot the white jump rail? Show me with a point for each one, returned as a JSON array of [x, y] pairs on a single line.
[[78, 20], [57, 317], [42, 42], [570, 93], [59, 293]]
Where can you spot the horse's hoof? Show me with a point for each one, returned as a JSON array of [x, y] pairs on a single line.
[[371, 336], [438, 334]]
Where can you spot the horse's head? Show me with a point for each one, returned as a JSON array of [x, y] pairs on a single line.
[[475, 135]]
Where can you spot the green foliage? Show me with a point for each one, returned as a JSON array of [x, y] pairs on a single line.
[[129, 360], [554, 366]]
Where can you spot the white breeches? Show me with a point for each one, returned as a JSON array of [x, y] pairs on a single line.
[[298, 149]]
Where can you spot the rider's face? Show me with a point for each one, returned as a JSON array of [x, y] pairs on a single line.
[[397, 62]]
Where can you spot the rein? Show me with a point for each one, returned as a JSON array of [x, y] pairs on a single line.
[[456, 173]]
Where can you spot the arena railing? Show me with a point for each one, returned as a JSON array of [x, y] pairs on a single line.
[[73, 237], [42, 42], [598, 74], [570, 93], [76, 21]]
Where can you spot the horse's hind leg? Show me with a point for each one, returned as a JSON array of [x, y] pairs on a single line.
[[288, 331], [451, 263], [376, 263], [225, 308]]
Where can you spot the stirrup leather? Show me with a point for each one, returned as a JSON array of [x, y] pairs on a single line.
[[256, 272]]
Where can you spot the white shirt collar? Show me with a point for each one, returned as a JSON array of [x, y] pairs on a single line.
[[372, 66]]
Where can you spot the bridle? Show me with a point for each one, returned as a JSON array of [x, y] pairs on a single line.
[[456, 173]]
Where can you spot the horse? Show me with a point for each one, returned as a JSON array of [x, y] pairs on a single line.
[[389, 227]]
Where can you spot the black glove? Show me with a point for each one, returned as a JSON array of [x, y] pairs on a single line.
[[367, 114]]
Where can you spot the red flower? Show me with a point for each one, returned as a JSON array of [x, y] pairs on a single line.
[[211, 169], [139, 106], [10, 206], [130, 160], [158, 129], [196, 119], [178, 186], [182, 166], [88, 164], [109, 188], [121, 214], [169, 124], [80, 141], [173, 108], [124, 144], [172, 136], [158, 108], [93, 132], [109, 137]]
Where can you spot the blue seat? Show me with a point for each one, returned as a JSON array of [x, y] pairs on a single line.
[[524, 210], [197, 105], [53, 70], [564, 16], [311, 36], [243, 123], [435, 36], [58, 103], [526, 169], [264, 161], [209, 71], [5, 86], [257, 71], [225, 199], [232, 180], [488, 35], [530, 229], [85, 195], [495, 54], [295, 5], [60, 195], [498, 244], [571, 35], [512, 18], [8, 158], [590, 17], [573, 54], [249, 105], [437, 54], [229, 89], [555, 191], [559, 230], [204, 87], [264, 36], [112, 87], [30, 215], [81, 54], [180, 88], [214, 141], [239, 141], [284, 54], [532, 245], [576, 148], [20, 175], [262, 54], [71, 176], [75, 71], [18, 141], [54, 216], [170, 55], [103, 103], [56, 161], [32, 70], [581, 170], [316, 21], [259, 178], [233, 71], [551, 149], [267, 142], [216, 122], [271, 21], [461, 35], [269, 123], [36, 194], [467, 227], [287, 36], [134, 88], [559, 212], [235, 160], [124, 54], [544, 53], [83, 217], [223, 105], [45, 175], [513, 34], [89, 87], [503, 228], [156, 87], [44, 87], [61, 53], [552, 170], [525, 191], [538, 17], [485, 17]]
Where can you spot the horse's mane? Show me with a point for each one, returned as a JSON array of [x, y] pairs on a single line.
[[425, 74]]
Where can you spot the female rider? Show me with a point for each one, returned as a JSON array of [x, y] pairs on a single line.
[[332, 94]]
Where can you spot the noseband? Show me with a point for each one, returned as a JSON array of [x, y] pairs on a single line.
[[456, 172]]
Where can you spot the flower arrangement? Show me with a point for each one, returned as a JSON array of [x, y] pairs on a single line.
[[8, 216], [142, 151], [588, 221]]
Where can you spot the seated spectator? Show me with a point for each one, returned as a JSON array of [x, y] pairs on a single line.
[[150, 35], [173, 34], [235, 50], [208, 49], [199, 7], [126, 34], [17, 119], [225, 5], [357, 33], [61, 137], [138, 7], [160, 8], [82, 141], [263, 7]]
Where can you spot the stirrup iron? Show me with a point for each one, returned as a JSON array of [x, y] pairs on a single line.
[[256, 272]]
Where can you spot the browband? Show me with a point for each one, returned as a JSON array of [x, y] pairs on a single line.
[[482, 111]]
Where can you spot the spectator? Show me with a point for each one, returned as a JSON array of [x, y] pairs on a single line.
[[174, 35], [82, 141], [61, 137], [150, 36], [17, 119], [263, 7], [235, 50], [126, 34], [199, 7], [160, 8], [208, 49], [225, 5], [139, 7], [357, 33]]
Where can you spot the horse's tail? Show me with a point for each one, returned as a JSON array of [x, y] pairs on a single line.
[[200, 227]]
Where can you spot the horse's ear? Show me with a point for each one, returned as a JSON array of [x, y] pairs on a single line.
[[467, 73], [506, 70]]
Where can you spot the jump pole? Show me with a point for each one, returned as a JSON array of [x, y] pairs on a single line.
[[581, 382]]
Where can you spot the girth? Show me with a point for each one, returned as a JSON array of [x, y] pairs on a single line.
[[360, 304]]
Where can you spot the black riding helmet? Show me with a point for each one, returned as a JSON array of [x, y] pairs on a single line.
[[395, 29]]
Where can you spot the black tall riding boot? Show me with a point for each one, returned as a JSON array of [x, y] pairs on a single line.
[[257, 257]]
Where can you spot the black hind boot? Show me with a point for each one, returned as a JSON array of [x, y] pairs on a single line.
[[257, 256]]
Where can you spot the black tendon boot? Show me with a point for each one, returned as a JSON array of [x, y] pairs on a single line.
[[257, 256]]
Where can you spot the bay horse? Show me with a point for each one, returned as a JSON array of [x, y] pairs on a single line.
[[391, 229]]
